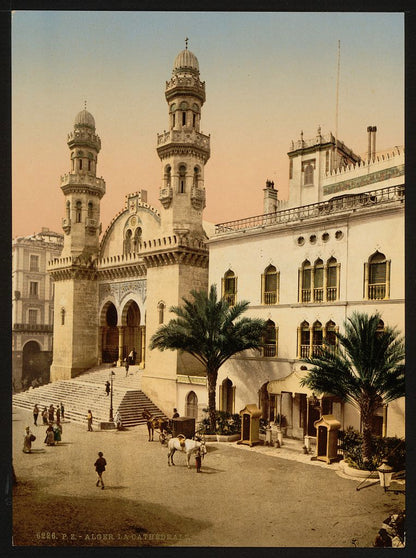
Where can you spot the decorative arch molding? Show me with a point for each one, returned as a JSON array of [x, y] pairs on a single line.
[[136, 289], [125, 307], [32, 340], [102, 315]]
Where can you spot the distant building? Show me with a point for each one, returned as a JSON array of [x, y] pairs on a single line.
[[32, 306]]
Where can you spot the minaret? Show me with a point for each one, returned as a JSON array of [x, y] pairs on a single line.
[[177, 262], [183, 150], [83, 190], [75, 347]]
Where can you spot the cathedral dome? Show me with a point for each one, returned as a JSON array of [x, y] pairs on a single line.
[[186, 60], [84, 118]]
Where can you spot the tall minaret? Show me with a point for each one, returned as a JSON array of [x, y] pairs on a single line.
[[83, 190], [177, 262], [75, 346], [183, 150]]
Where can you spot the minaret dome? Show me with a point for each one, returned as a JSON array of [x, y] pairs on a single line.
[[84, 118], [185, 61]]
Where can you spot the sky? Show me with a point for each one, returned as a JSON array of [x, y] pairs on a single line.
[[268, 76]]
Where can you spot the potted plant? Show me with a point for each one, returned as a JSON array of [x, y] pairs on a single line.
[[228, 426]]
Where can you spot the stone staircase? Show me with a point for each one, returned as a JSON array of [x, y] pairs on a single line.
[[87, 391]]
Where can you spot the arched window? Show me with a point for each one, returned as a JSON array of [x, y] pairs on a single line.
[[137, 240], [63, 316], [193, 120], [317, 338], [308, 175], [182, 179], [161, 311], [127, 242], [90, 210], [197, 176], [269, 285], [227, 396], [305, 282], [377, 276], [68, 210], [80, 164], [304, 340], [191, 405], [318, 283], [168, 176], [330, 337], [270, 340], [173, 120], [332, 280], [183, 118], [380, 328], [78, 208], [229, 287]]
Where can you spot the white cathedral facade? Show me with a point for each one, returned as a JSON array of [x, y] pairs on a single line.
[[337, 245]]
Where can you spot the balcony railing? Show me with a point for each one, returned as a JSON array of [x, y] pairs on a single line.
[[331, 294], [306, 295], [348, 202], [270, 297], [318, 294], [377, 291], [230, 298], [269, 350]]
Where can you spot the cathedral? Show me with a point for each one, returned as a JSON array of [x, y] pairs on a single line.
[[335, 246]]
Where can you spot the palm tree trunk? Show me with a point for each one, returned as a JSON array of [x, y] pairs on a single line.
[[367, 418], [212, 384]]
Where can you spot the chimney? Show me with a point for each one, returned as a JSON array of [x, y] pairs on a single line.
[[270, 198]]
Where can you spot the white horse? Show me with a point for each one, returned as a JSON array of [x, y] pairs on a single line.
[[187, 446]]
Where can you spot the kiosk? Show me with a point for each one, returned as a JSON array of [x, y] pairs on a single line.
[[250, 425], [327, 439]]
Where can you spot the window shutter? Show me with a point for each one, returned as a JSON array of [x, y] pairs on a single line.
[[263, 288]]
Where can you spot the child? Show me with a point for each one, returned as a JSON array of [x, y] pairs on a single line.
[[198, 460]]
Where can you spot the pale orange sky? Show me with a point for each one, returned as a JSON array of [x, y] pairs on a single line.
[[268, 76]]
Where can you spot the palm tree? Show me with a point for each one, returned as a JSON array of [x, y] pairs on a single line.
[[366, 369], [209, 329]]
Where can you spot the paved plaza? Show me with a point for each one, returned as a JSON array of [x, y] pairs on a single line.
[[244, 497]]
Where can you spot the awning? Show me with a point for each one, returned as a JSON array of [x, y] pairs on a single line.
[[290, 383]]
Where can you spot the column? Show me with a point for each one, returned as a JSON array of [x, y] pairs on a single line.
[[120, 344], [142, 346], [387, 293], [310, 341], [299, 340]]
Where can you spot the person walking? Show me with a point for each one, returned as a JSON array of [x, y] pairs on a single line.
[[51, 413], [58, 414], [45, 416], [62, 411], [126, 366], [107, 388], [50, 436], [89, 420], [35, 415], [100, 468], [27, 440], [57, 432]]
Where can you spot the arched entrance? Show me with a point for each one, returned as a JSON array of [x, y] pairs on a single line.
[[109, 333], [132, 331], [35, 366], [191, 405], [264, 402], [227, 395]]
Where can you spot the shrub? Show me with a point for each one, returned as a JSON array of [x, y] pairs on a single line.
[[226, 424], [393, 448]]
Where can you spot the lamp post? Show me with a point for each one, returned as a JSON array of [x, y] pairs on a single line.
[[385, 473], [111, 395]]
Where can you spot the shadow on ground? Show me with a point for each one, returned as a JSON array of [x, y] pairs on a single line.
[[64, 521]]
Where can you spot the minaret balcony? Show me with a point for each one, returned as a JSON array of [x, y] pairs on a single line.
[[166, 196], [183, 139], [83, 137], [197, 198], [66, 225], [82, 181], [185, 85]]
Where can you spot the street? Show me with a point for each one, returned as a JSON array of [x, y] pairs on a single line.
[[242, 498]]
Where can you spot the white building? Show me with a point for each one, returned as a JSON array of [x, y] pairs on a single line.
[[335, 247]]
